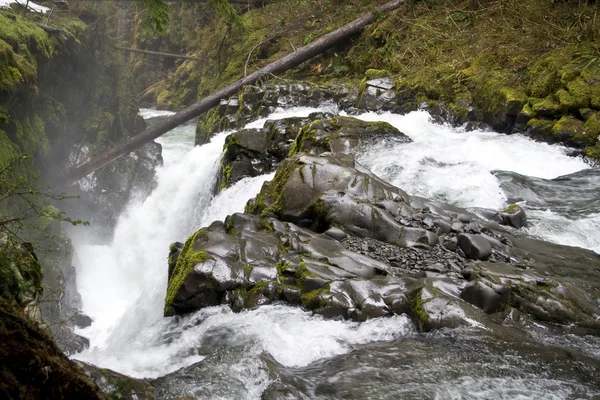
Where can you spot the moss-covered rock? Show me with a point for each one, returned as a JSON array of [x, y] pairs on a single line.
[[189, 256], [20, 276], [341, 135], [540, 129], [32, 366]]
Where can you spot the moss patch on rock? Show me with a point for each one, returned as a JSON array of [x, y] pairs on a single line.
[[187, 260]]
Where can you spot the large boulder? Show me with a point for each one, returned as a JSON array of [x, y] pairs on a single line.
[[253, 152], [330, 236]]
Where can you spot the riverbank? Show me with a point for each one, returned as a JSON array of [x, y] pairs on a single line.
[[527, 66]]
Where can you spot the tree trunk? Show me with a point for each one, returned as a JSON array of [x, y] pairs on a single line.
[[283, 64], [156, 53]]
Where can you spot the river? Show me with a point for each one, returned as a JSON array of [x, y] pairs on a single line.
[[283, 352]]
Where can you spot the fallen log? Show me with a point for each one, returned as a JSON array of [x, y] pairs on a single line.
[[291, 60], [156, 53]]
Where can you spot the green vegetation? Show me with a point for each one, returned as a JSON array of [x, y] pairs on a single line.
[[187, 260], [32, 366], [20, 273], [270, 198], [539, 58], [419, 312]]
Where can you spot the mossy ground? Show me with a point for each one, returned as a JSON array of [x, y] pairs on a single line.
[[499, 57], [32, 366]]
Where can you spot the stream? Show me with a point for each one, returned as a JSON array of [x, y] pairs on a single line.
[[282, 352]]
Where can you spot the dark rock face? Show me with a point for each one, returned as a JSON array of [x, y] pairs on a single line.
[[105, 193], [474, 246], [32, 366], [253, 152], [329, 235], [256, 102]]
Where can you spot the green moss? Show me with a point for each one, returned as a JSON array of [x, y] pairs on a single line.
[[512, 208], [8, 150], [571, 131], [252, 295], [593, 152], [225, 176], [418, 311], [265, 225], [580, 90], [592, 125], [376, 73], [187, 260], [270, 198], [247, 270], [547, 107], [284, 247], [20, 275], [545, 78], [314, 299], [31, 135], [301, 274], [281, 266], [307, 134], [568, 103]]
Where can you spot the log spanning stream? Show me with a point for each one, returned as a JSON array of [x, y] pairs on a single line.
[[215, 353]]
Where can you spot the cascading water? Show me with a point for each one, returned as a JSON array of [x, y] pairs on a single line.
[[237, 355], [461, 168], [123, 284]]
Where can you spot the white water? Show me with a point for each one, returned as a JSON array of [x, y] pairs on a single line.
[[451, 165], [123, 283]]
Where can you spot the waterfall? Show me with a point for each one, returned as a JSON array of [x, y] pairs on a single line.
[[123, 283]]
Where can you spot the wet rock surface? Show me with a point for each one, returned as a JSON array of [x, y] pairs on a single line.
[[328, 235], [118, 386], [541, 119], [259, 101], [253, 152]]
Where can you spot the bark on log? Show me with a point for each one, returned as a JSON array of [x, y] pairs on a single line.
[[281, 65], [156, 53]]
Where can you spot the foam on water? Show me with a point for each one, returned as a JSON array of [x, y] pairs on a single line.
[[583, 232], [148, 113], [451, 165], [123, 283]]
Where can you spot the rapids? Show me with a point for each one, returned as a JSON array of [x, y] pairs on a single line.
[[278, 349]]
